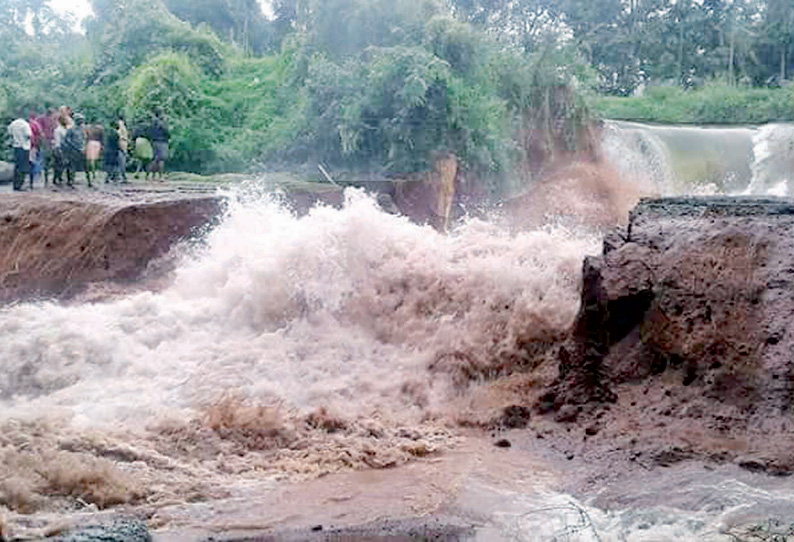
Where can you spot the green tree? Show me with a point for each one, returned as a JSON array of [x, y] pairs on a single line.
[[240, 21], [125, 33], [778, 30]]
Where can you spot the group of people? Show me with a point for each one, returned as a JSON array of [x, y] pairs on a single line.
[[61, 141]]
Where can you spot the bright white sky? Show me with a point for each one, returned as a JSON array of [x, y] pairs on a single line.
[[81, 9]]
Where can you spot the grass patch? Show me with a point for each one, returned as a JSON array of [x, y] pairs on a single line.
[[711, 104]]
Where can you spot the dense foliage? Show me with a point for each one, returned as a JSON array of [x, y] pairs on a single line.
[[636, 42], [381, 85], [386, 85]]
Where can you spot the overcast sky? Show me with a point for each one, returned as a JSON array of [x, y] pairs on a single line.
[[79, 8], [82, 8]]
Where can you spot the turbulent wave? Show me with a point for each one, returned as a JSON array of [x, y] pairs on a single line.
[[639, 155], [773, 146], [333, 340]]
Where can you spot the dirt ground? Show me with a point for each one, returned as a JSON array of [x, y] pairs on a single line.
[[682, 349]]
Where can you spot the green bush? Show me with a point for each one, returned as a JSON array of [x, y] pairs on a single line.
[[393, 85]]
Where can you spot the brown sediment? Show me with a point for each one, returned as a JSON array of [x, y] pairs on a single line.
[[56, 246], [45, 465], [682, 348], [680, 351], [494, 338], [589, 194], [37, 472]]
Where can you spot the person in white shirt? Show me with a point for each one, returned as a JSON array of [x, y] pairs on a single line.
[[20, 133]]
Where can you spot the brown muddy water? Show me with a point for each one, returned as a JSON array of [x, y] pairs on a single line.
[[333, 370]]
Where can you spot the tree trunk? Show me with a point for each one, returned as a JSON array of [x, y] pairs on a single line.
[[680, 51], [731, 54], [246, 37], [783, 64]]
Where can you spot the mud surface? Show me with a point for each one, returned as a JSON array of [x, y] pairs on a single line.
[[682, 348], [57, 245]]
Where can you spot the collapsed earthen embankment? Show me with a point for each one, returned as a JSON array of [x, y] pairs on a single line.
[[57, 245], [684, 344], [54, 246]]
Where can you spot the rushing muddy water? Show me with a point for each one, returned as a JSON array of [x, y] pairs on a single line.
[[285, 349], [284, 346]]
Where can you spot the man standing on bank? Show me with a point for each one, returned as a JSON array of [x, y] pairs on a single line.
[[21, 134], [159, 135]]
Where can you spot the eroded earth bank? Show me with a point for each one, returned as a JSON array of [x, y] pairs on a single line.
[[683, 345], [210, 364]]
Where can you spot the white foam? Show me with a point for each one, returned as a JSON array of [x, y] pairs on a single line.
[[773, 147], [638, 154], [339, 308]]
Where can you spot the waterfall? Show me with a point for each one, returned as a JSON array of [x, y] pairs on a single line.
[[692, 160]]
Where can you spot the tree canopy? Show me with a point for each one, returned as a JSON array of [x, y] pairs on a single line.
[[381, 85]]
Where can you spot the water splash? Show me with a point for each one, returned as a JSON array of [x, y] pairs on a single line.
[[684, 160], [773, 147], [338, 315]]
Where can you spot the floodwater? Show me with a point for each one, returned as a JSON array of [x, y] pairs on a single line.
[[318, 370], [703, 160], [284, 348]]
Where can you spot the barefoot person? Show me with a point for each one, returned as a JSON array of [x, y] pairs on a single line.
[[112, 156], [94, 136], [142, 153], [58, 159], [36, 139], [124, 143], [48, 122]]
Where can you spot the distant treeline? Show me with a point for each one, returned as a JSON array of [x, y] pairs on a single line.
[[379, 85], [634, 42]]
